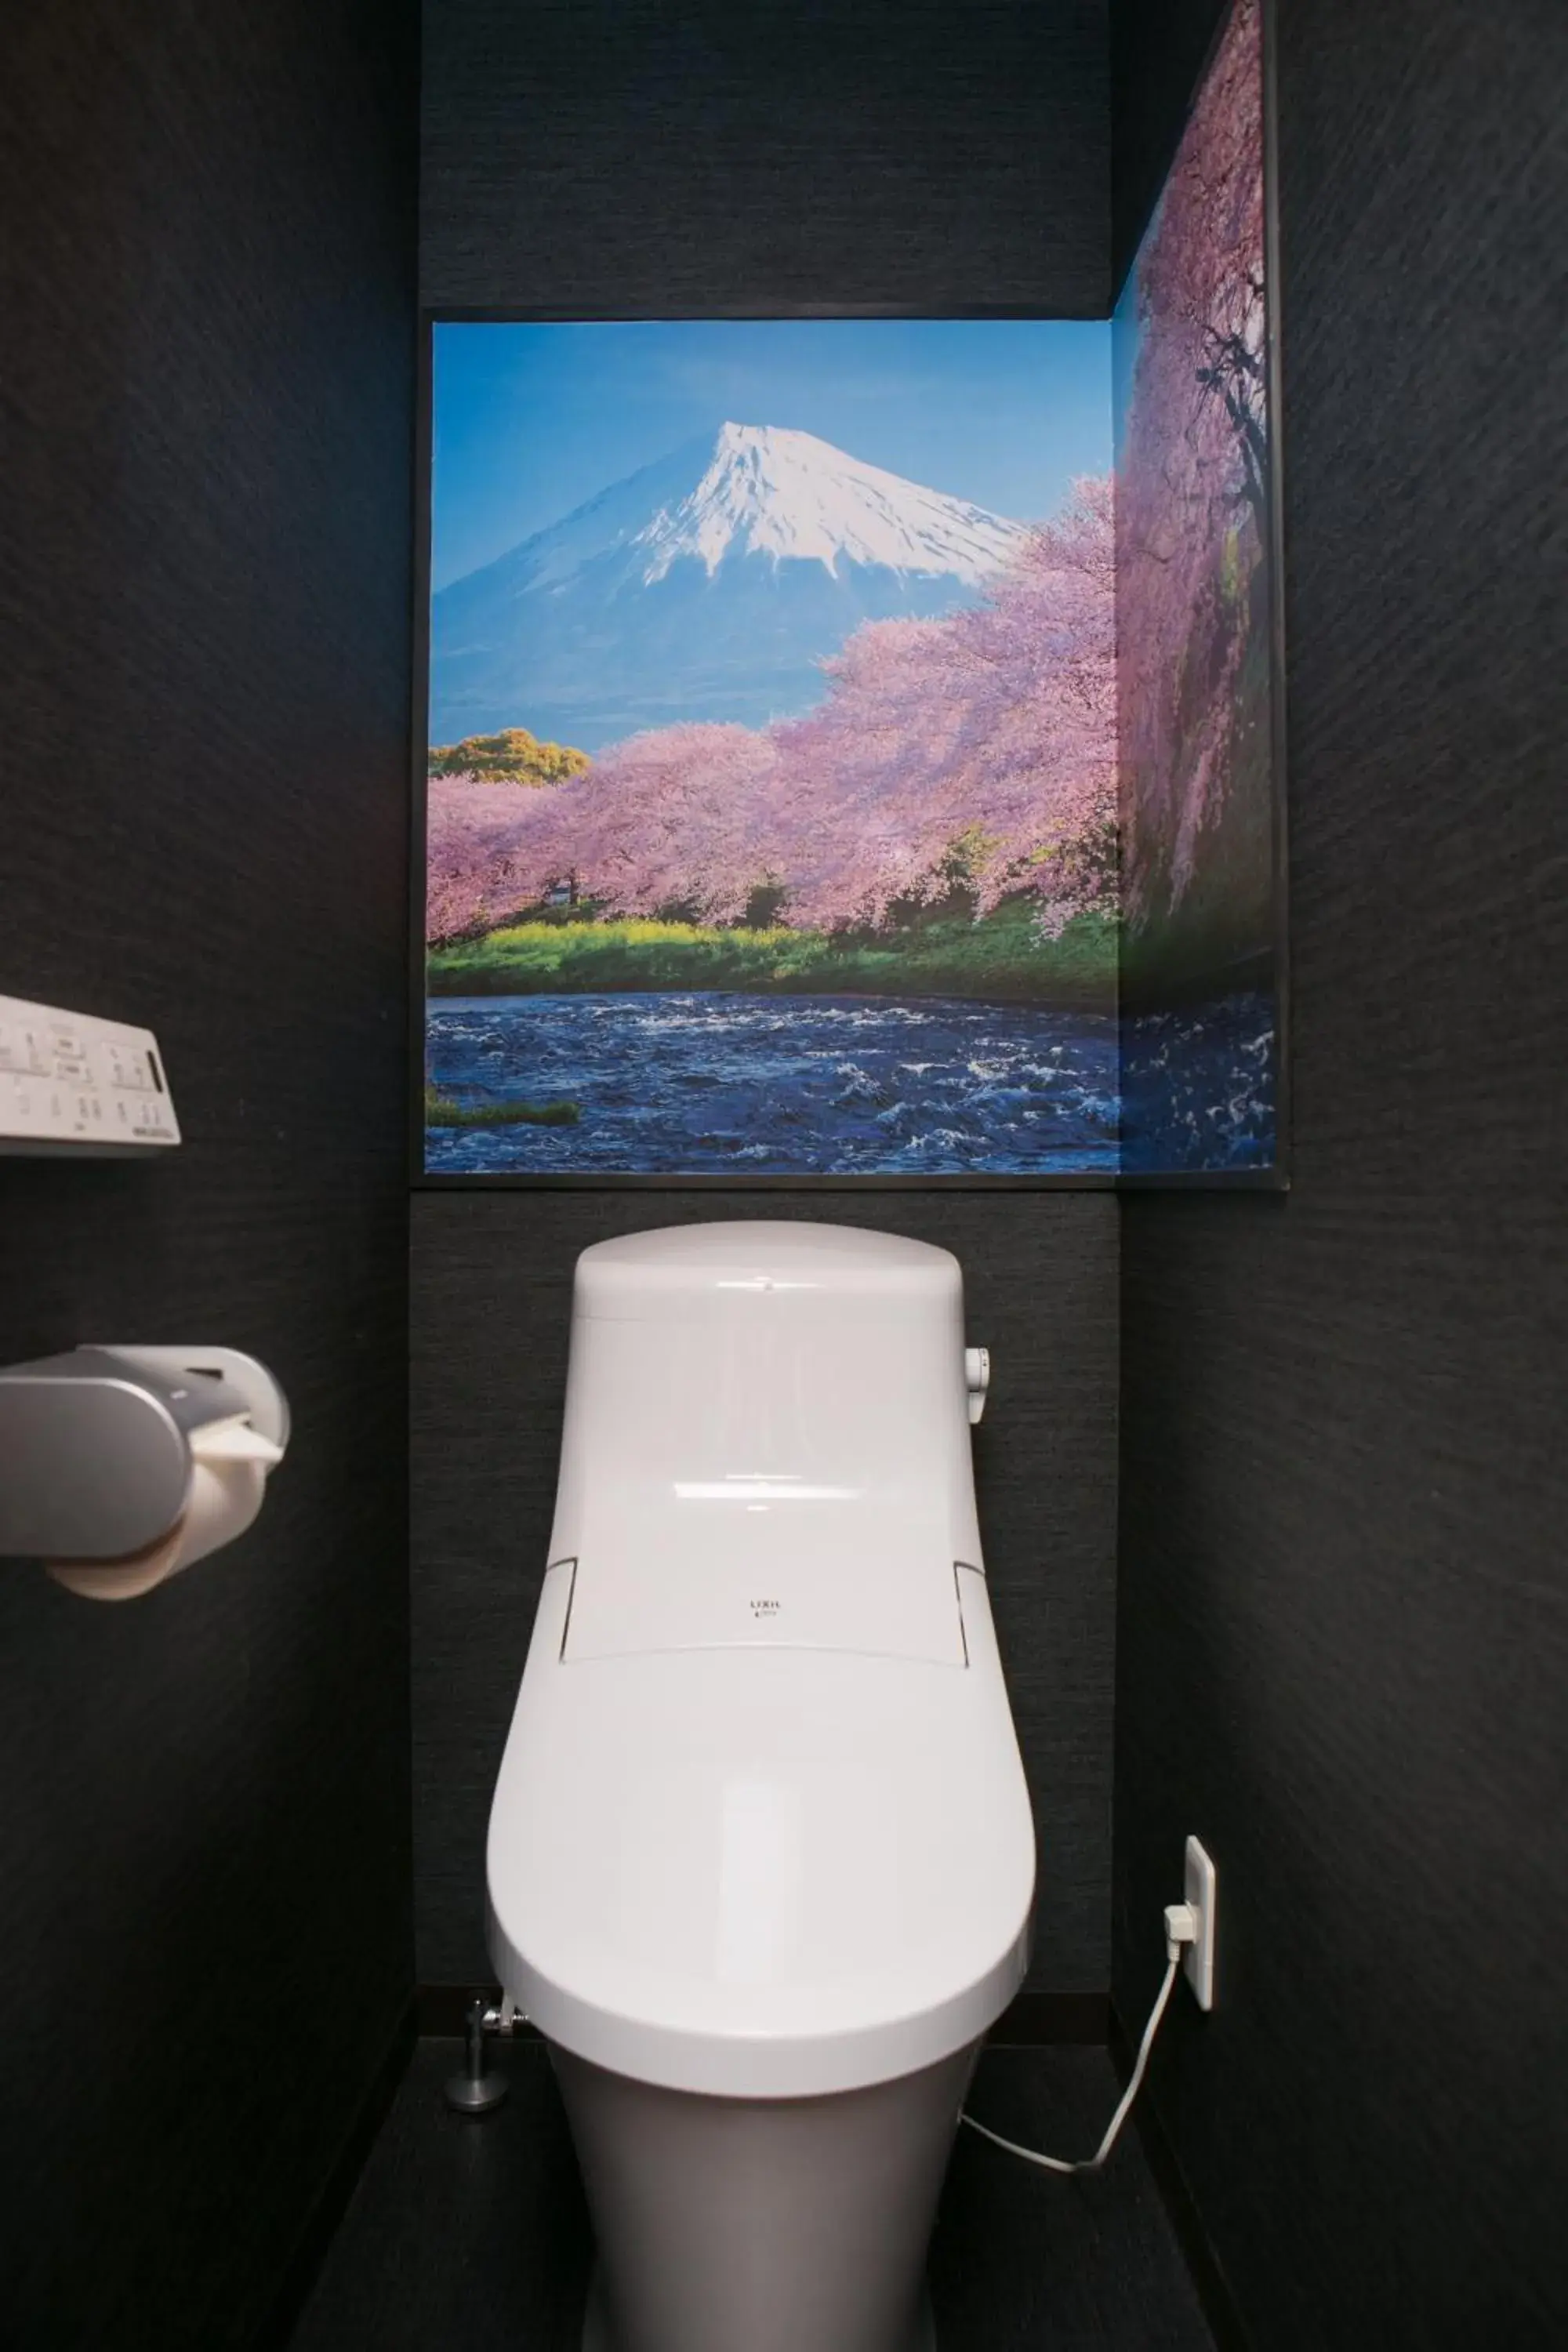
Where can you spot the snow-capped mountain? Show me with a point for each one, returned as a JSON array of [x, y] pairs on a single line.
[[708, 585]]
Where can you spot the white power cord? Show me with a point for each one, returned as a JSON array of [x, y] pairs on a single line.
[[1181, 1927]]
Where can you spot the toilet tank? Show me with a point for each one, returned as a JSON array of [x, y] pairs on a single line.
[[766, 1443]]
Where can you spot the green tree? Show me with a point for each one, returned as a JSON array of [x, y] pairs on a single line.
[[512, 756]]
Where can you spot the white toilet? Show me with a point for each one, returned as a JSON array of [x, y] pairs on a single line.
[[761, 1859]]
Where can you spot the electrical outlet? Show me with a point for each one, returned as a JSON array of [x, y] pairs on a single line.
[[1200, 1891]]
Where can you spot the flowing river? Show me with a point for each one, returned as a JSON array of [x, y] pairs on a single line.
[[732, 1085]]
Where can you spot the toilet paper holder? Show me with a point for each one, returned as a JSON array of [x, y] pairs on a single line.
[[102, 1449]]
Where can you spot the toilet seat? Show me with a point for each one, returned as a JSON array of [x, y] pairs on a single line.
[[761, 1871], [761, 1830]]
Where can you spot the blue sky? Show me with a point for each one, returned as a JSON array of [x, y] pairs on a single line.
[[532, 420]]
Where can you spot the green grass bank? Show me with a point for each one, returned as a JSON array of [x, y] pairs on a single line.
[[1001, 958], [440, 1110]]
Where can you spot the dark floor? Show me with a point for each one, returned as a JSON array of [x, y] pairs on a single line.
[[471, 2236]]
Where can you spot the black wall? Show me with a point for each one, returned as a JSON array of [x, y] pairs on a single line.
[[204, 682], [625, 159], [625, 156], [1342, 1625]]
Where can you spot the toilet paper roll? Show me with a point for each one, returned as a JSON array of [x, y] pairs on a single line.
[[225, 1496]]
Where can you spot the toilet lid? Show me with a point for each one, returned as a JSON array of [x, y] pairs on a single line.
[[762, 1870]]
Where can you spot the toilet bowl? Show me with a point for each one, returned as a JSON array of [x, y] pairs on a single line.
[[760, 1861]]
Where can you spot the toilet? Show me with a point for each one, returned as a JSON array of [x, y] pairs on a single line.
[[760, 1861]]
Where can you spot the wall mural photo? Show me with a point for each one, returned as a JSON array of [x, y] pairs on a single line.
[[1202, 931], [771, 805], [777, 820]]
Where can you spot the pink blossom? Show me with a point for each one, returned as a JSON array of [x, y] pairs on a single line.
[[989, 737], [1191, 483]]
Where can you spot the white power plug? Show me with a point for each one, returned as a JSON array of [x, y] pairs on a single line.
[[1180, 1928]]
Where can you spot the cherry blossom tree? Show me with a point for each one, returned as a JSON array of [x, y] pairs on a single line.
[[1192, 495], [479, 860], [672, 820], [988, 738], [980, 750], [665, 821]]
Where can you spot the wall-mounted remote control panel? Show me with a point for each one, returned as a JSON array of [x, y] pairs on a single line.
[[70, 1083]]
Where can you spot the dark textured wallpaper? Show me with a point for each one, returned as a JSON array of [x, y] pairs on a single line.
[[613, 157], [204, 683], [1343, 1629], [637, 159]]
